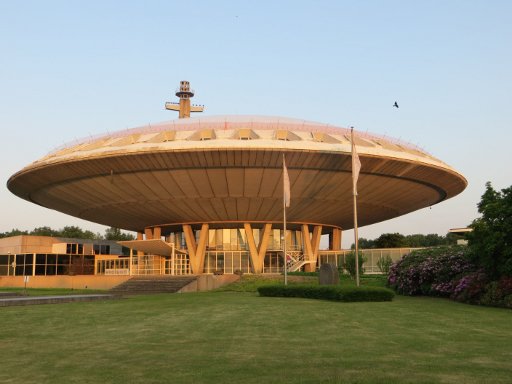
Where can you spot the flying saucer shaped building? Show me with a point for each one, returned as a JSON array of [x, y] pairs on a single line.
[[206, 194], [215, 184]]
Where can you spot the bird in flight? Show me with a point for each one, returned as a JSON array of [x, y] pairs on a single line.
[[395, 105]]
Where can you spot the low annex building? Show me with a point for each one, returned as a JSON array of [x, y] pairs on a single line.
[[54, 257], [205, 194]]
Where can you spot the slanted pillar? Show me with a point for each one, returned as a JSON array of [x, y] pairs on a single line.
[[262, 250], [196, 252], [190, 240], [257, 254], [315, 240], [253, 251], [201, 247], [311, 246]]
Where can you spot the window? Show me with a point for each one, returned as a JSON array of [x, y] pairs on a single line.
[[101, 249]]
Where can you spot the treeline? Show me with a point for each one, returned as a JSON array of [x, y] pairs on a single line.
[[72, 232], [397, 240]]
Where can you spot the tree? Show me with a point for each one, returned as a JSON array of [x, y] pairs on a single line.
[[44, 231], [350, 263], [430, 240], [390, 240], [13, 232], [414, 241], [76, 232], [364, 243], [491, 239], [116, 234]]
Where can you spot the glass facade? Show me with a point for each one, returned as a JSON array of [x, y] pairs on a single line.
[[227, 262], [78, 260], [235, 239], [227, 249], [42, 264]]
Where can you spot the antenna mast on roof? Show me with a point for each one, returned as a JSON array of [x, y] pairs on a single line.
[[183, 107]]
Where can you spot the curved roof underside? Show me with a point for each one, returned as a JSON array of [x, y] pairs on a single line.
[[229, 169]]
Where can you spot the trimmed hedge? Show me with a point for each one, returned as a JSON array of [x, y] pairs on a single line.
[[301, 273], [328, 292]]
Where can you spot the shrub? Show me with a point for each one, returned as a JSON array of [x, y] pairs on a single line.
[[350, 263], [328, 292], [302, 273], [384, 263], [470, 287], [497, 293], [507, 301], [479, 274], [432, 271]]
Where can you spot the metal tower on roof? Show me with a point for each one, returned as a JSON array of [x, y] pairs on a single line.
[[183, 107]]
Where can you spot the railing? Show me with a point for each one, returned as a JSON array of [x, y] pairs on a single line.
[[372, 257], [234, 261], [117, 272], [295, 260]]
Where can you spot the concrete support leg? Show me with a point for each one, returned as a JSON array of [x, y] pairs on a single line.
[[140, 236], [262, 249], [196, 252], [201, 247], [312, 245], [253, 251], [191, 246], [157, 233], [335, 239], [257, 254], [306, 237]]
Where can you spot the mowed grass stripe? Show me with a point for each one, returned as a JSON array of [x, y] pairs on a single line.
[[233, 337]]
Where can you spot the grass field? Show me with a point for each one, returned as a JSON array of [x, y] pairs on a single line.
[[239, 337]]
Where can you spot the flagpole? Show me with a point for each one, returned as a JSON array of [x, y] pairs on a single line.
[[284, 225], [354, 193], [356, 240]]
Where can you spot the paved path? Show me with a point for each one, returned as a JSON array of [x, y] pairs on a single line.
[[31, 300]]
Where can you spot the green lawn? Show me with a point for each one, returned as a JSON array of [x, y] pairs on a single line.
[[239, 337]]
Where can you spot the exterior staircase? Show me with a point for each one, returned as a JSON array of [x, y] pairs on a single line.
[[295, 260], [141, 285]]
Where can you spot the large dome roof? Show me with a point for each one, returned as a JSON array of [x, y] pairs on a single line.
[[228, 169], [227, 128]]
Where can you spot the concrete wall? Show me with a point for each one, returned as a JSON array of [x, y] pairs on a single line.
[[27, 244], [47, 244], [209, 282], [203, 282], [64, 281]]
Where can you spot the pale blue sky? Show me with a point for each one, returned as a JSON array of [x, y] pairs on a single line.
[[70, 69]]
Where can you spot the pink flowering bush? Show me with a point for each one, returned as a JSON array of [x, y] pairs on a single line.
[[470, 287], [448, 272], [478, 274], [433, 271]]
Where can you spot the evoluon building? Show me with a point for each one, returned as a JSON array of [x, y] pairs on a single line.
[[205, 194]]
